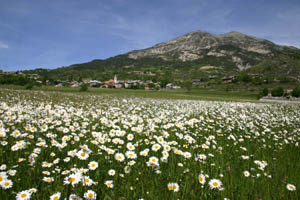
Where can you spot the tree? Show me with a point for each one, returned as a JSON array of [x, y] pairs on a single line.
[[277, 92], [265, 92], [296, 92], [187, 84]]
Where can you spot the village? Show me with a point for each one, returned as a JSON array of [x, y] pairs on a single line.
[[127, 84]]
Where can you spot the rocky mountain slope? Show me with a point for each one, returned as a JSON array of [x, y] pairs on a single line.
[[242, 50]]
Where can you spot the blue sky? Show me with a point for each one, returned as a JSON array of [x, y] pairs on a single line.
[[55, 33]]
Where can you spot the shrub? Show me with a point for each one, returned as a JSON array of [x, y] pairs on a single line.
[[83, 88], [277, 92], [296, 92], [265, 92], [29, 86]]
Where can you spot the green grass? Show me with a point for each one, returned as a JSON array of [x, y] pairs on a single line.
[[194, 94]]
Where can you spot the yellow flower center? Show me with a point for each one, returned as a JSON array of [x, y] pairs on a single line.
[[82, 154], [90, 195], [55, 198], [71, 180], [23, 195], [215, 184], [6, 184]]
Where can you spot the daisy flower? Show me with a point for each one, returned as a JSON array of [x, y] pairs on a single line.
[[109, 184], [155, 147], [6, 184], [215, 183], [246, 173], [291, 187], [201, 179], [48, 179], [130, 154], [173, 186], [74, 197], [24, 195], [86, 181], [130, 146], [73, 179], [55, 196], [90, 195], [111, 172], [82, 155], [3, 176], [119, 157], [93, 165]]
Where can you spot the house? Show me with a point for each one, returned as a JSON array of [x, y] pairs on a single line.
[[74, 84], [196, 81], [172, 86], [95, 83], [228, 79]]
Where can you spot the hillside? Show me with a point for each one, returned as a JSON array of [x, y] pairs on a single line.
[[194, 55]]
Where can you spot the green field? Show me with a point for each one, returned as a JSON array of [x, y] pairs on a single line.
[[122, 144], [195, 94]]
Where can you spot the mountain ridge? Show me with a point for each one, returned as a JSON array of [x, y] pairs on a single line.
[[198, 54]]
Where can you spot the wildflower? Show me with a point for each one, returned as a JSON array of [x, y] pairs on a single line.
[[87, 181], [173, 186], [201, 179], [109, 184], [291, 187], [6, 184], [111, 172], [73, 179], [246, 173], [32, 190], [130, 154], [55, 196], [24, 195], [74, 197], [130, 146], [130, 137], [187, 155], [215, 183], [156, 147], [82, 155], [93, 165], [3, 176], [90, 195], [119, 157], [48, 179]]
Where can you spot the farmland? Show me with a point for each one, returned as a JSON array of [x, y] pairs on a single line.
[[57, 145]]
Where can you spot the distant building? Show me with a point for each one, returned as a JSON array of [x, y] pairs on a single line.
[[172, 86], [228, 79]]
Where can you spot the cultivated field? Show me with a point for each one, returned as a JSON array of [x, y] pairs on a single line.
[[87, 146]]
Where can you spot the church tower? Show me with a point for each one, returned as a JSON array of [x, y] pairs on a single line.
[[115, 79]]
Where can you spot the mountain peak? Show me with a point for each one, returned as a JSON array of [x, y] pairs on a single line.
[[240, 49]]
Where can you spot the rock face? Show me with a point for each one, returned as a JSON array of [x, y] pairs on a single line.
[[242, 50]]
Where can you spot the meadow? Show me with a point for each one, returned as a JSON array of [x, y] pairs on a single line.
[[70, 145]]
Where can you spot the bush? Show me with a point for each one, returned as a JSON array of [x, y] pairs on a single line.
[[29, 86], [277, 92], [296, 92], [83, 88], [265, 92]]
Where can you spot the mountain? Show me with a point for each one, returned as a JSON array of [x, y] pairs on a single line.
[[241, 50], [196, 54]]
